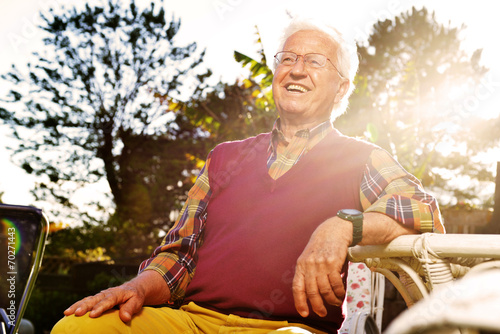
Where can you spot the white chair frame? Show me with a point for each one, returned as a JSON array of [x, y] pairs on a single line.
[[418, 264]]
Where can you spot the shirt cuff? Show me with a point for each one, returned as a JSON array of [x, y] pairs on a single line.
[[174, 274]]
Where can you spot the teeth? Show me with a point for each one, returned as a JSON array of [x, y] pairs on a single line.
[[296, 87]]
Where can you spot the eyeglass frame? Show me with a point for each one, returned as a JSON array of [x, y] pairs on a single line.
[[303, 57]]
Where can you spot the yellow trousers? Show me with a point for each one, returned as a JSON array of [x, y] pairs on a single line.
[[189, 318]]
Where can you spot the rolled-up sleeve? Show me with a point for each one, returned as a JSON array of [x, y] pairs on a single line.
[[175, 259], [389, 189]]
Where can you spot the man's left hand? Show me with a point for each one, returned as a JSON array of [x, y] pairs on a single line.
[[318, 273]]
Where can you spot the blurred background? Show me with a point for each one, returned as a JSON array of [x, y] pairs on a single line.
[[109, 109]]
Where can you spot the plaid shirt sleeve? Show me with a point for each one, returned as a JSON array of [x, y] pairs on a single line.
[[389, 189], [175, 259]]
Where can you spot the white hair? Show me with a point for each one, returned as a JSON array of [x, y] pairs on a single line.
[[347, 55]]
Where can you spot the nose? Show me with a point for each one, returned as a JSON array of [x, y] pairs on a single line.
[[299, 67]]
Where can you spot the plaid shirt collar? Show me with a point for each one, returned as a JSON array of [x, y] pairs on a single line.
[[315, 134]]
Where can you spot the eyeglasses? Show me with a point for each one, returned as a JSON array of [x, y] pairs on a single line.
[[314, 60]]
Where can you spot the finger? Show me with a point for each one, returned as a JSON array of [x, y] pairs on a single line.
[[129, 308], [89, 304], [299, 294], [314, 295], [77, 305], [110, 298], [125, 316], [70, 310], [83, 306], [337, 285], [326, 291]]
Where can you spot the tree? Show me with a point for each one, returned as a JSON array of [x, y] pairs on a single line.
[[88, 108], [414, 88], [234, 111]]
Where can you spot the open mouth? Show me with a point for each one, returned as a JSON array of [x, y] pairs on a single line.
[[296, 88]]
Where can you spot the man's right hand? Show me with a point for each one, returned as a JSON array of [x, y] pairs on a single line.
[[147, 288]]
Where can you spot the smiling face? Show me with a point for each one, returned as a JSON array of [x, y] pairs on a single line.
[[306, 95]]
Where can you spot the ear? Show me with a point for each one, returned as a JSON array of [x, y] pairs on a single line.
[[342, 90]]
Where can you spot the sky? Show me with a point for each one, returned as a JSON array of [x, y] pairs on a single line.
[[223, 26]]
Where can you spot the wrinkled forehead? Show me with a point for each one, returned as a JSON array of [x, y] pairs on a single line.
[[311, 41]]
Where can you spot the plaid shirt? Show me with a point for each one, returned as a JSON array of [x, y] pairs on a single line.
[[385, 188]]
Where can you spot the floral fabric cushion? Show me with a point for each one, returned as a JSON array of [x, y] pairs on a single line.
[[358, 293]]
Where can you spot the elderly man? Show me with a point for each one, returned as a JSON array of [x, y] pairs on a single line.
[[261, 242]]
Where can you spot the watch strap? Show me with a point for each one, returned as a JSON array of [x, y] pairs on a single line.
[[356, 218], [357, 231]]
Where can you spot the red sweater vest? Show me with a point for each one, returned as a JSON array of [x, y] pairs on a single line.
[[257, 227]]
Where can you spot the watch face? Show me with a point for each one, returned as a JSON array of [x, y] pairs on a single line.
[[351, 212]]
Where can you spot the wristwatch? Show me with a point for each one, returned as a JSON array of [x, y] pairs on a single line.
[[356, 218]]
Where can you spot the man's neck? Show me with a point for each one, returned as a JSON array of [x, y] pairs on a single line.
[[289, 129]]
